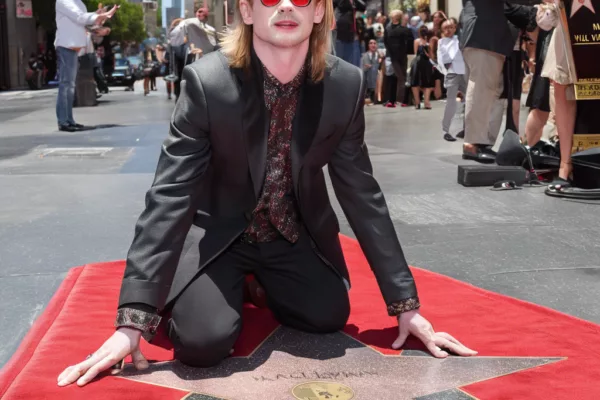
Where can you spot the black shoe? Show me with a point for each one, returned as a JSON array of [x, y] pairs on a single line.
[[449, 137], [67, 128], [487, 149], [480, 155], [77, 126], [461, 134]]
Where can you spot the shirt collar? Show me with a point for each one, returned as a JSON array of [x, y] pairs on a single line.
[[292, 85]]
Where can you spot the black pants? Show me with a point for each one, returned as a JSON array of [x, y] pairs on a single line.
[[301, 290], [391, 84], [399, 67]]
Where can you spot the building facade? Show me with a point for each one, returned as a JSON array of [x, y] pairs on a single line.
[[18, 40]]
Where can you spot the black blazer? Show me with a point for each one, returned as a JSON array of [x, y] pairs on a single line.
[[210, 174], [484, 24]]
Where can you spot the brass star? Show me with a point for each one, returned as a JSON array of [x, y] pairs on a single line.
[[289, 358]]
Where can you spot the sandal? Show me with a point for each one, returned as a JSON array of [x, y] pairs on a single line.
[[559, 183]]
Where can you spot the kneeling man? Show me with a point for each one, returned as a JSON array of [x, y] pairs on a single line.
[[239, 189]]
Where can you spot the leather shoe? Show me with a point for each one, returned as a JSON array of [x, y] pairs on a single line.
[[254, 293], [461, 134], [67, 128], [77, 126], [480, 155], [448, 137]]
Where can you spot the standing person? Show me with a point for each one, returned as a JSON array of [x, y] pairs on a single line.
[[238, 209], [452, 65], [421, 70], [347, 45], [486, 41], [561, 74], [371, 62], [191, 38], [71, 20], [398, 41]]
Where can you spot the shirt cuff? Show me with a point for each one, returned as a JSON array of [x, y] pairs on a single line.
[[143, 321], [398, 307]]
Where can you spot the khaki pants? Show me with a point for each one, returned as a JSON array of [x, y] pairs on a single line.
[[484, 74]]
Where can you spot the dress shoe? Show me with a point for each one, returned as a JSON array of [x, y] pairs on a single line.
[[480, 155], [461, 134], [488, 150], [77, 126], [449, 137], [67, 128], [254, 293]]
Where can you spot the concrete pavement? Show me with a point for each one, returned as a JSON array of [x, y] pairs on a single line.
[[68, 199]]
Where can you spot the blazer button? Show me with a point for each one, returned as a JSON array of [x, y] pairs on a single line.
[[248, 215]]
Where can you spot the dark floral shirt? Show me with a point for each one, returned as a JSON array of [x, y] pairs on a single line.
[[276, 213]]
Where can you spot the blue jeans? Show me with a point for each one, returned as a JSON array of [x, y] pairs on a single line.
[[68, 63], [348, 51]]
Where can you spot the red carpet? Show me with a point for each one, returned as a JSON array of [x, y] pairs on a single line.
[[80, 317]]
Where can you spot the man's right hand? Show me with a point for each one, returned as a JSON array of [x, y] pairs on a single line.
[[123, 342], [102, 17]]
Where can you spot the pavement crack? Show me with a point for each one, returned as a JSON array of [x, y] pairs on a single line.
[[32, 274], [543, 270]]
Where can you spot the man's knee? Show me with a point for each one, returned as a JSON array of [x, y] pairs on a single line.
[[326, 317], [203, 347]]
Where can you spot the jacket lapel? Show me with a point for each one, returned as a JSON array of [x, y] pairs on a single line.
[[255, 121], [305, 124]]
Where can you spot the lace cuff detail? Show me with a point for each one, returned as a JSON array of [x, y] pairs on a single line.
[[140, 320], [402, 306]]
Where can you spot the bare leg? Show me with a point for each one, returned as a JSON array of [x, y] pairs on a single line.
[[534, 128], [438, 89], [428, 97], [379, 86], [565, 124], [146, 85], [416, 96], [169, 89], [517, 113]]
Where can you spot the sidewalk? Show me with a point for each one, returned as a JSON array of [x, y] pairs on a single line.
[[33, 112], [27, 94]]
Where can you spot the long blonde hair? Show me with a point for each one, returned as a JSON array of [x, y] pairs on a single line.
[[236, 43]]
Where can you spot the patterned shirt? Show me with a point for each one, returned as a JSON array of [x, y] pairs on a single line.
[[276, 213]]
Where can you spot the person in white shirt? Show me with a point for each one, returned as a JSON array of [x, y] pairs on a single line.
[[196, 33], [71, 21], [452, 65], [200, 38]]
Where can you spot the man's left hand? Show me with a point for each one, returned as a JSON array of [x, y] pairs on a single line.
[[412, 322]]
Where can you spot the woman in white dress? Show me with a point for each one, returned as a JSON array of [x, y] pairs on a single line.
[[559, 70]]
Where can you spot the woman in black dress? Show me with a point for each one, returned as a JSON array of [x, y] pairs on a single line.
[[421, 70]]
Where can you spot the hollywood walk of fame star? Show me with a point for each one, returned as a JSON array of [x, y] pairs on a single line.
[[289, 358], [577, 4]]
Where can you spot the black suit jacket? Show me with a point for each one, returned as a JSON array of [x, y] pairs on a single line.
[[210, 174], [484, 24], [398, 42]]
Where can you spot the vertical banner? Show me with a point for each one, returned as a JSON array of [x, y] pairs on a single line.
[[581, 20], [24, 9]]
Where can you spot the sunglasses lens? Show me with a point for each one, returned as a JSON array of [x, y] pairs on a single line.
[[297, 3]]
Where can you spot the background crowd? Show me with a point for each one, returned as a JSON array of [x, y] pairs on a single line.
[[503, 47]]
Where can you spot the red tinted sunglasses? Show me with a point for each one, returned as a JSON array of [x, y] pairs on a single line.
[[297, 3]]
